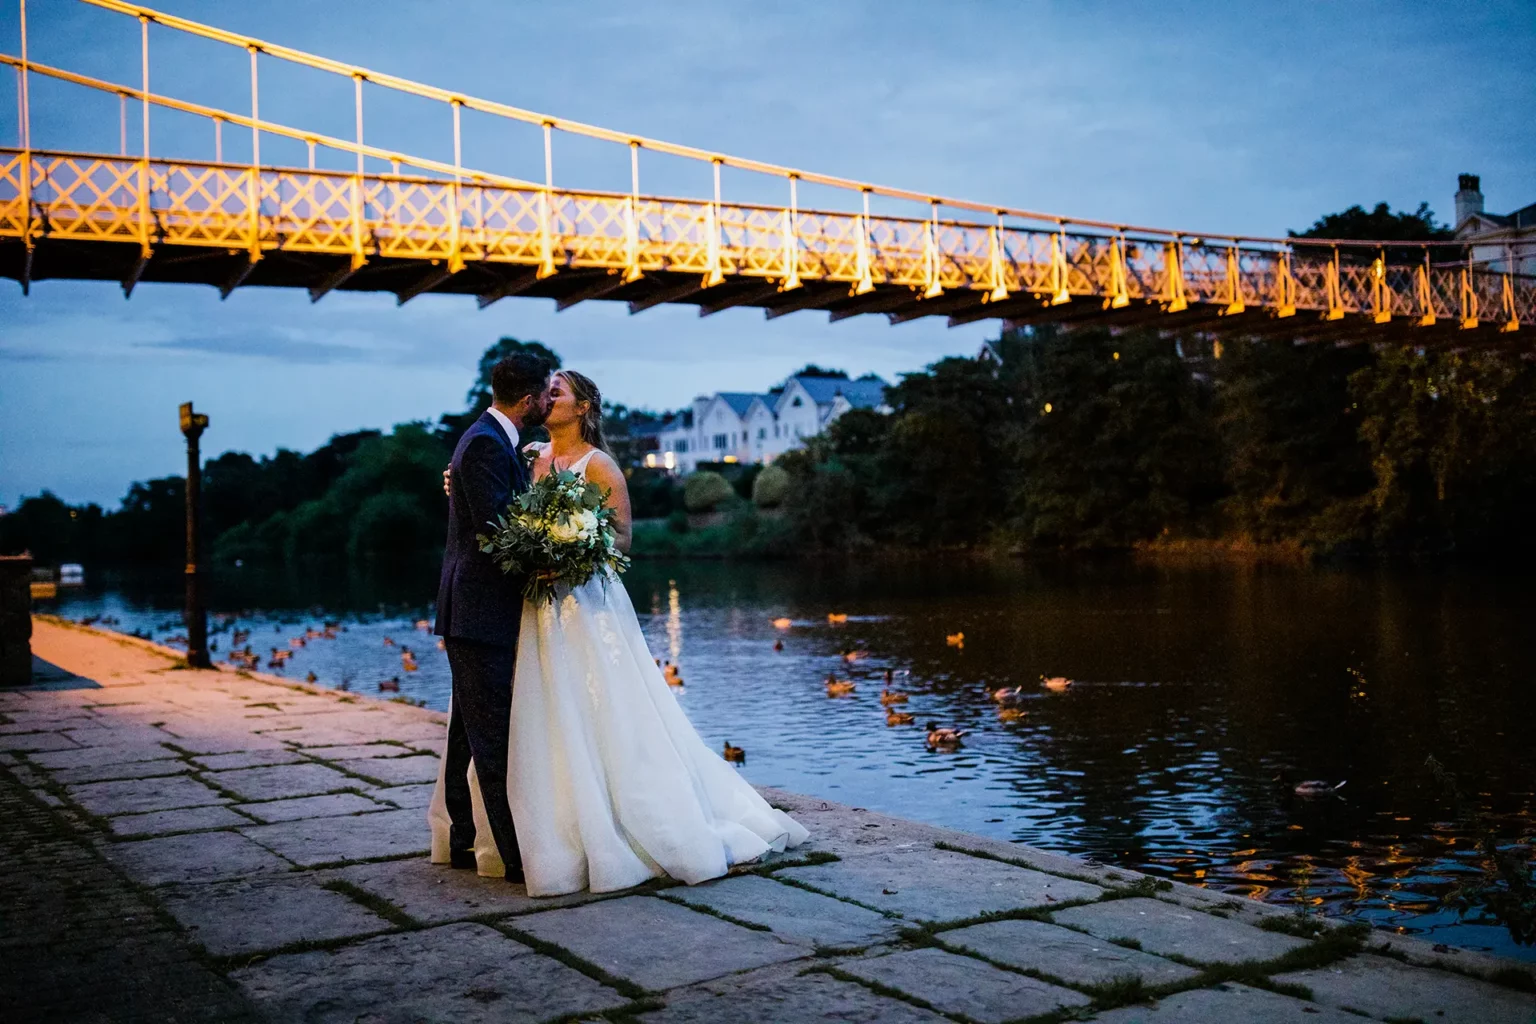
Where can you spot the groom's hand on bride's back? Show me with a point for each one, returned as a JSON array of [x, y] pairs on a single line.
[[447, 475]]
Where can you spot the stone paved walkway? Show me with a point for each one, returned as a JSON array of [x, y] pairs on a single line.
[[211, 846]]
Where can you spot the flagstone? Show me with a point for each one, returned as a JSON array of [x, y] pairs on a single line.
[[963, 985], [37, 741], [127, 770], [437, 894], [1386, 988], [1231, 1003], [1170, 929], [281, 781], [183, 819], [397, 771], [358, 750], [624, 937], [79, 757], [128, 796], [249, 916], [330, 805], [781, 995], [249, 759], [405, 796], [937, 885], [466, 973], [795, 915], [1062, 953], [198, 857], [316, 841]]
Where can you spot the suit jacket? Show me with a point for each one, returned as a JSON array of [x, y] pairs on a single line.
[[475, 599]]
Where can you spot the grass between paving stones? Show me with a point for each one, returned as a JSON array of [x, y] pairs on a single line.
[[1517, 978], [712, 912], [384, 908], [236, 961], [796, 883], [1162, 886], [880, 989], [623, 985]]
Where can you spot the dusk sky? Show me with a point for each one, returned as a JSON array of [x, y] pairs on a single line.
[[1209, 117]]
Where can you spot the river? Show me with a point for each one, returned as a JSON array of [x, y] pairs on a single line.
[[1201, 697]]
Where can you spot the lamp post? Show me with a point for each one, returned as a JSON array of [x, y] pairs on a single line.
[[192, 425]]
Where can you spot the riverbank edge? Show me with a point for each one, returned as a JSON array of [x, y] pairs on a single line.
[[838, 821]]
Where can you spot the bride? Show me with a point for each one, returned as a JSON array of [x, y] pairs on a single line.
[[608, 782]]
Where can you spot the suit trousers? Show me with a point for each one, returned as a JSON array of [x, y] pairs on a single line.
[[478, 728]]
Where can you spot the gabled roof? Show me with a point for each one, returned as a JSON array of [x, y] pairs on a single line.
[[1525, 217], [864, 393], [739, 401]]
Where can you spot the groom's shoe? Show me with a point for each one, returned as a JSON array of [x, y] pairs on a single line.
[[515, 874], [461, 858]]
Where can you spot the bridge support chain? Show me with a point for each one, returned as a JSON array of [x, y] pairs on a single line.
[[1331, 285], [1285, 287], [745, 295], [1469, 319], [606, 284], [439, 272], [516, 284], [933, 265], [688, 287], [1424, 294], [1174, 288], [863, 259], [804, 297], [1234, 284], [1512, 323], [1119, 291], [893, 298], [1381, 299], [1060, 294]]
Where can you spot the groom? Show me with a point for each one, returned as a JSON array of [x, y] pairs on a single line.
[[479, 608]]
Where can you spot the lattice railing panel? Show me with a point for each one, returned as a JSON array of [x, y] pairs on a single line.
[[116, 199]]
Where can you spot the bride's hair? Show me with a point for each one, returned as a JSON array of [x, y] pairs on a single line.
[[584, 389]]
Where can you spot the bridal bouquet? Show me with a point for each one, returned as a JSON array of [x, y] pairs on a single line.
[[560, 530]]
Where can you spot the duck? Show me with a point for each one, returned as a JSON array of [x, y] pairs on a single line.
[[391, 685], [889, 697], [1008, 694], [778, 645], [1007, 714], [423, 625], [852, 656], [735, 755], [955, 639], [442, 645], [837, 618], [840, 687], [1317, 787], [389, 641], [783, 623], [943, 736], [893, 717], [1056, 684], [311, 678], [408, 662]]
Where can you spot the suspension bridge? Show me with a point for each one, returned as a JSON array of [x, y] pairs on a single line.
[[409, 225]]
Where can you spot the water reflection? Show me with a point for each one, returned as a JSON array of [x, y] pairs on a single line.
[[1202, 699]]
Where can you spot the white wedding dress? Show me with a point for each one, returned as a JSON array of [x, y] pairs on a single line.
[[608, 781]]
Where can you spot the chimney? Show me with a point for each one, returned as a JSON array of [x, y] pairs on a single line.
[[1469, 197]]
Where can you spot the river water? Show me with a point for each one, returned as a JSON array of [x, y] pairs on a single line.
[[1201, 697]]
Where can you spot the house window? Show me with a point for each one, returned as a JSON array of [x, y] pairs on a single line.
[[762, 432], [681, 446], [796, 403], [721, 442]]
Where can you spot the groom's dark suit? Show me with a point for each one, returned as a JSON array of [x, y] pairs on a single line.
[[479, 609]]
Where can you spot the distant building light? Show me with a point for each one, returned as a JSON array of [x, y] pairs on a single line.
[[1047, 406], [669, 460], [650, 460], [730, 458]]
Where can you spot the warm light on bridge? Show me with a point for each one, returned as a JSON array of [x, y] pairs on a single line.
[[427, 225]]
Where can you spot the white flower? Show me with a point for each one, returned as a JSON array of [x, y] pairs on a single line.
[[588, 522]]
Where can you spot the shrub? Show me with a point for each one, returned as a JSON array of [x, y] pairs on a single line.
[[771, 487], [704, 490]]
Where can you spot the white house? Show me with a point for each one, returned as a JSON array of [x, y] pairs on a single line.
[[736, 426], [1500, 242]]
